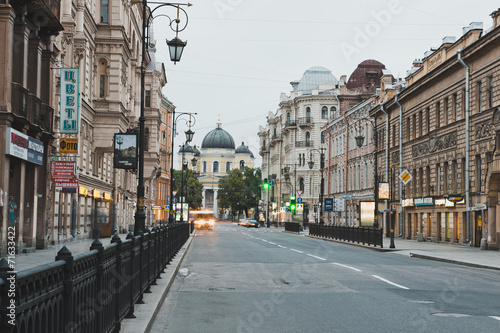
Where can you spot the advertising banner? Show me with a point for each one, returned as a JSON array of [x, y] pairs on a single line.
[[366, 213], [125, 151], [23, 146]]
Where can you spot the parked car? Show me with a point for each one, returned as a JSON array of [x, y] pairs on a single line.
[[243, 222], [252, 223]]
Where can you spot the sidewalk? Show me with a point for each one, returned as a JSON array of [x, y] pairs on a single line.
[[445, 252], [40, 257]]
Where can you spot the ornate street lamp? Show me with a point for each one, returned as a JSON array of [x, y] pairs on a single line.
[[321, 169], [140, 215]]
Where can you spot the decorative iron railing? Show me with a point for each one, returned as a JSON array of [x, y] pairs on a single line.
[[292, 226], [88, 292], [370, 236]]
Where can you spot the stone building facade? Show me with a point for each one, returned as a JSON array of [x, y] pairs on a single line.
[[101, 41], [432, 136]]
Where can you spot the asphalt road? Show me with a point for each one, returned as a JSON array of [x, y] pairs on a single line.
[[235, 279]]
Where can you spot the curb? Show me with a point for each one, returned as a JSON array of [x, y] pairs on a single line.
[[451, 261], [146, 313]]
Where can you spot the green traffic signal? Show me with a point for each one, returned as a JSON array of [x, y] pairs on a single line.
[[293, 203], [265, 184]]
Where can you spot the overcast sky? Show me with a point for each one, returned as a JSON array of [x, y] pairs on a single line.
[[242, 54]]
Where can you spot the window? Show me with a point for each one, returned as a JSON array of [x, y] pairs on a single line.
[[446, 178], [394, 135], [414, 126], [478, 173], [427, 120], [288, 117], [490, 92], [324, 112], [323, 137], [462, 175], [204, 166], [104, 11], [445, 111], [408, 129], [308, 139], [215, 166], [454, 107], [438, 180], [242, 165], [438, 115], [420, 123], [428, 179], [333, 111], [101, 75], [147, 102], [308, 113], [228, 167], [479, 96], [301, 185], [454, 166]]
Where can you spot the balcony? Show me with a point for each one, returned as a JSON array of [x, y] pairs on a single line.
[[19, 100], [301, 144], [305, 121], [50, 10], [290, 123], [276, 137]]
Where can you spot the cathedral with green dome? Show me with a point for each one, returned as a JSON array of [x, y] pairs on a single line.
[[216, 157]]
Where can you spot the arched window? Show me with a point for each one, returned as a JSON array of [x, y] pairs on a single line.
[[333, 111], [308, 113], [242, 165], [215, 167], [324, 112], [288, 117], [323, 137], [228, 167], [308, 138], [204, 166], [301, 185]]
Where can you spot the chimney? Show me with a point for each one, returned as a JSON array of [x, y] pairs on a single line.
[[417, 63], [496, 18]]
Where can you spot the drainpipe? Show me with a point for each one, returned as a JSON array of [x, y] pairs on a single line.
[[401, 215], [346, 163], [467, 141], [386, 157]]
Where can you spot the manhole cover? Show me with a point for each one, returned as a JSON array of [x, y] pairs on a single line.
[[221, 289], [451, 314], [422, 302]]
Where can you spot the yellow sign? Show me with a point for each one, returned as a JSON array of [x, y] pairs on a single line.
[[83, 190], [107, 196], [405, 176], [68, 146], [96, 193]]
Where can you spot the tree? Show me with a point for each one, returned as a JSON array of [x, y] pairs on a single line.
[[232, 191], [192, 188], [240, 190]]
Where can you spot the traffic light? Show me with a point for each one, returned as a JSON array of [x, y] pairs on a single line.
[[293, 204], [265, 184]]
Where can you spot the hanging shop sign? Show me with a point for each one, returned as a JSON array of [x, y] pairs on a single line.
[[408, 202], [70, 113], [68, 146], [383, 191], [23, 146], [125, 151], [455, 197], [83, 191]]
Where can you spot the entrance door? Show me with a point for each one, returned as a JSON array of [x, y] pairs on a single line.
[[409, 231], [455, 227], [103, 218], [478, 232], [429, 224], [447, 226]]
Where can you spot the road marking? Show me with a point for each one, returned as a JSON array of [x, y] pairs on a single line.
[[283, 247], [495, 317], [272, 243], [389, 282], [310, 255], [264, 240], [345, 266], [296, 251]]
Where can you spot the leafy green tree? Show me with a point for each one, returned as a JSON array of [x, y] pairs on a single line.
[[240, 190], [193, 189], [231, 192]]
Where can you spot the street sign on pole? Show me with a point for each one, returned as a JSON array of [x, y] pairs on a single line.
[[299, 200], [405, 176]]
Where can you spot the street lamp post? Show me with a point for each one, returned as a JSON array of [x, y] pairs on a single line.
[[189, 137], [359, 142], [176, 47], [321, 169]]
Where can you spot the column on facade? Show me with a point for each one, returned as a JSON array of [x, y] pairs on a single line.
[[7, 16], [215, 202], [204, 205]]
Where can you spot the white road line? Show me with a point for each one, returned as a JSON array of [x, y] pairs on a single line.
[[283, 247], [310, 255], [345, 266], [389, 282], [296, 251], [495, 317], [264, 240], [272, 243]]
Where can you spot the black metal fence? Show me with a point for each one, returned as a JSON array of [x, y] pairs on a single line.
[[370, 236], [292, 226], [88, 292]]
